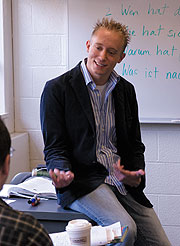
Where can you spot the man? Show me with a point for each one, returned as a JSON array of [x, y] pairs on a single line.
[[89, 118], [16, 228]]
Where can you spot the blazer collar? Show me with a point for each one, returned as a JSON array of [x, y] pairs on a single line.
[[78, 84]]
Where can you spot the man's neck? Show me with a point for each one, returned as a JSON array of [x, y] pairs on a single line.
[[100, 83], [102, 80]]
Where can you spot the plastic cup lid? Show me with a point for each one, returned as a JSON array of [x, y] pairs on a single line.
[[78, 224]]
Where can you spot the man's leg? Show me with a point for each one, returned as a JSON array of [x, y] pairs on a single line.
[[149, 228], [102, 206]]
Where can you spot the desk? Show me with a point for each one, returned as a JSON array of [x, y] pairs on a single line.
[[49, 213]]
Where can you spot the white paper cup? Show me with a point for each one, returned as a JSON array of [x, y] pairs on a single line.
[[79, 232]]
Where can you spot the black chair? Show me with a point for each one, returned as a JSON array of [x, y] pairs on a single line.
[[20, 177]]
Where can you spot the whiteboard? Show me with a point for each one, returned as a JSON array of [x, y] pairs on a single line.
[[152, 62]]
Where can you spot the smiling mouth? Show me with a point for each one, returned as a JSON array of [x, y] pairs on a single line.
[[99, 64]]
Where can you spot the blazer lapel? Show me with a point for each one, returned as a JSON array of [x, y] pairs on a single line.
[[81, 91], [118, 96]]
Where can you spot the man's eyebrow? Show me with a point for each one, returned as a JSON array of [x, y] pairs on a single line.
[[99, 43], [110, 48], [113, 49]]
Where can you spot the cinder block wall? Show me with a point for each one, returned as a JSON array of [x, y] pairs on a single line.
[[20, 158], [40, 53], [163, 169]]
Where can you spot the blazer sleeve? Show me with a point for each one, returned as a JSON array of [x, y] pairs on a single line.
[[53, 127], [138, 147], [129, 141]]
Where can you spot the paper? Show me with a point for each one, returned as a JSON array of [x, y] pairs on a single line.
[[99, 235], [5, 190], [60, 239], [8, 201], [40, 186], [102, 235]]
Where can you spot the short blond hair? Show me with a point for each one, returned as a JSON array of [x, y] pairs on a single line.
[[112, 25]]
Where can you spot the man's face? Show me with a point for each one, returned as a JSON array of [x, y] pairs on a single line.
[[105, 50]]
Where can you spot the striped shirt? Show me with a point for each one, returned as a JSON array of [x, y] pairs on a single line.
[[104, 113]]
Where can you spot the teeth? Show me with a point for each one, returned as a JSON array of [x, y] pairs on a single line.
[[100, 64]]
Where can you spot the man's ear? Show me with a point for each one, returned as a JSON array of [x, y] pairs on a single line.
[[6, 166], [87, 46]]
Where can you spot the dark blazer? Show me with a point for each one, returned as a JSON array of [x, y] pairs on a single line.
[[69, 133]]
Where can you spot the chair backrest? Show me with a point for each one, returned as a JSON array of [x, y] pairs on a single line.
[[20, 177]]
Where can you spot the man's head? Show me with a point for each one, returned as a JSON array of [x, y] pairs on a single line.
[[112, 25], [106, 49], [5, 144]]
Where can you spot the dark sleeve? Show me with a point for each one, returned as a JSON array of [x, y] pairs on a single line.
[[138, 147], [56, 147], [129, 141]]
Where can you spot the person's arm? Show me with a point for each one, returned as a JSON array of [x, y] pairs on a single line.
[[131, 170], [131, 178], [138, 147], [53, 126]]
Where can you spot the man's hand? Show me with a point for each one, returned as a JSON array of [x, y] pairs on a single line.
[[61, 178], [131, 178]]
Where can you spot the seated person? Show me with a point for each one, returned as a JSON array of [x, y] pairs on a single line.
[[16, 228]]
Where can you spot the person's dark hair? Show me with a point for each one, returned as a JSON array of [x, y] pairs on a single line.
[[5, 142], [112, 25]]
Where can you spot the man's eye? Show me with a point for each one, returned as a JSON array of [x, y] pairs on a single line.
[[112, 53], [98, 48]]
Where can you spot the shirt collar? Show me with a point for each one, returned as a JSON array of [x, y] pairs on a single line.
[[113, 78]]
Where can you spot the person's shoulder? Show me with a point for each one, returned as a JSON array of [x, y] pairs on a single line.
[[127, 88], [19, 222], [125, 82], [9, 214]]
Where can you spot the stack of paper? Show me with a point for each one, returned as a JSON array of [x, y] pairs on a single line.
[[104, 235]]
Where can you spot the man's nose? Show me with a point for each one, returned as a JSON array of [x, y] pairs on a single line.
[[103, 54]]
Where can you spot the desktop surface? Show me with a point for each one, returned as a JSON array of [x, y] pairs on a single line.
[[48, 212]]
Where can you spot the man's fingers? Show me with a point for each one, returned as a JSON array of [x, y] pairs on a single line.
[[69, 176], [61, 178], [52, 175], [140, 172]]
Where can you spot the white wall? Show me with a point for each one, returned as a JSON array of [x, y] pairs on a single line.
[[20, 159], [40, 53], [163, 169], [6, 66]]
